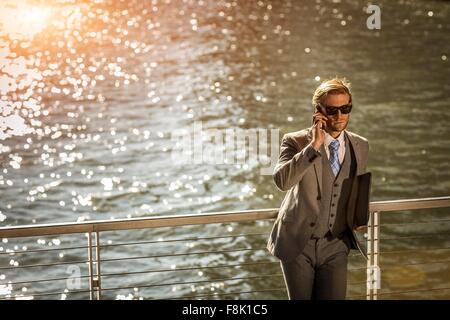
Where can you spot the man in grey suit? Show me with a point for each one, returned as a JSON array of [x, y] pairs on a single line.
[[319, 168]]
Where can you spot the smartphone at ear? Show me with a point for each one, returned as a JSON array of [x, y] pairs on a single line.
[[319, 109]]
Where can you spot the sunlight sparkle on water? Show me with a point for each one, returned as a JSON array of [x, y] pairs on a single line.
[[23, 21]]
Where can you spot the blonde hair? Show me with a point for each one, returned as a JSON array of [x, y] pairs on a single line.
[[332, 86]]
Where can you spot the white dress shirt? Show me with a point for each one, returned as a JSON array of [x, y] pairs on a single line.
[[341, 151]]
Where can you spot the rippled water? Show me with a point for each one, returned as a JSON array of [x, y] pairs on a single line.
[[91, 93]]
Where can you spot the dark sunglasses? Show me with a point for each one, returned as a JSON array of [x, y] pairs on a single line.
[[345, 109]]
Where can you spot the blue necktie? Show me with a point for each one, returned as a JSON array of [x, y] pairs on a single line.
[[334, 158]]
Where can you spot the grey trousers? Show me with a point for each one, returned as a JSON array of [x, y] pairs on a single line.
[[320, 271]]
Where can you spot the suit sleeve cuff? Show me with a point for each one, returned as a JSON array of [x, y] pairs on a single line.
[[311, 153]]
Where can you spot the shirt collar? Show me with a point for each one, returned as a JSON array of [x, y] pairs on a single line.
[[329, 138]]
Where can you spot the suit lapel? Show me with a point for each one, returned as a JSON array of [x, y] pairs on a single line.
[[356, 149]]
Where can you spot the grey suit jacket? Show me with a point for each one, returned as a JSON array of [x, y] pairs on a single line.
[[299, 172]]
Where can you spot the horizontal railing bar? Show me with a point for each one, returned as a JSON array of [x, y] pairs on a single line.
[[357, 296], [41, 280], [44, 265], [46, 294], [193, 219], [422, 236], [137, 223], [356, 283], [182, 239], [413, 223], [134, 243], [409, 204], [412, 291], [35, 294], [130, 258], [224, 294], [81, 291], [181, 254], [418, 263], [43, 250], [280, 289], [188, 268], [219, 294], [192, 282], [355, 255], [356, 269], [45, 229], [412, 250]]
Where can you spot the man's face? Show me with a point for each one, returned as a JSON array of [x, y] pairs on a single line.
[[339, 121]]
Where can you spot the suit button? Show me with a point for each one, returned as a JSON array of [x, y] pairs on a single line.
[[331, 225], [312, 224], [334, 195], [332, 204], [336, 184], [332, 214]]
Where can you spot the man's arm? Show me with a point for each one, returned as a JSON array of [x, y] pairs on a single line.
[[292, 165]]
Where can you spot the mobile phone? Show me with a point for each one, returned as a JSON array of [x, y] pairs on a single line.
[[319, 109]]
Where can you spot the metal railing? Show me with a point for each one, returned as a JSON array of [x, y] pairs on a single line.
[[373, 234], [98, 251]]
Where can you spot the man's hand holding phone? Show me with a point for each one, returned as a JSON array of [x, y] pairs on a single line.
[[319, 121]]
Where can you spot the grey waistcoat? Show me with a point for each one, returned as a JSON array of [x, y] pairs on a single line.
[[335, 194]]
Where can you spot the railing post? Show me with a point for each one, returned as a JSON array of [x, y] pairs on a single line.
[[94, 279], [376, 254], [373, 269], [90, 268], [97, 258], [369, 257]]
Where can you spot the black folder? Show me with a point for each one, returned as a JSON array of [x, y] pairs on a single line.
[[361, 217]]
